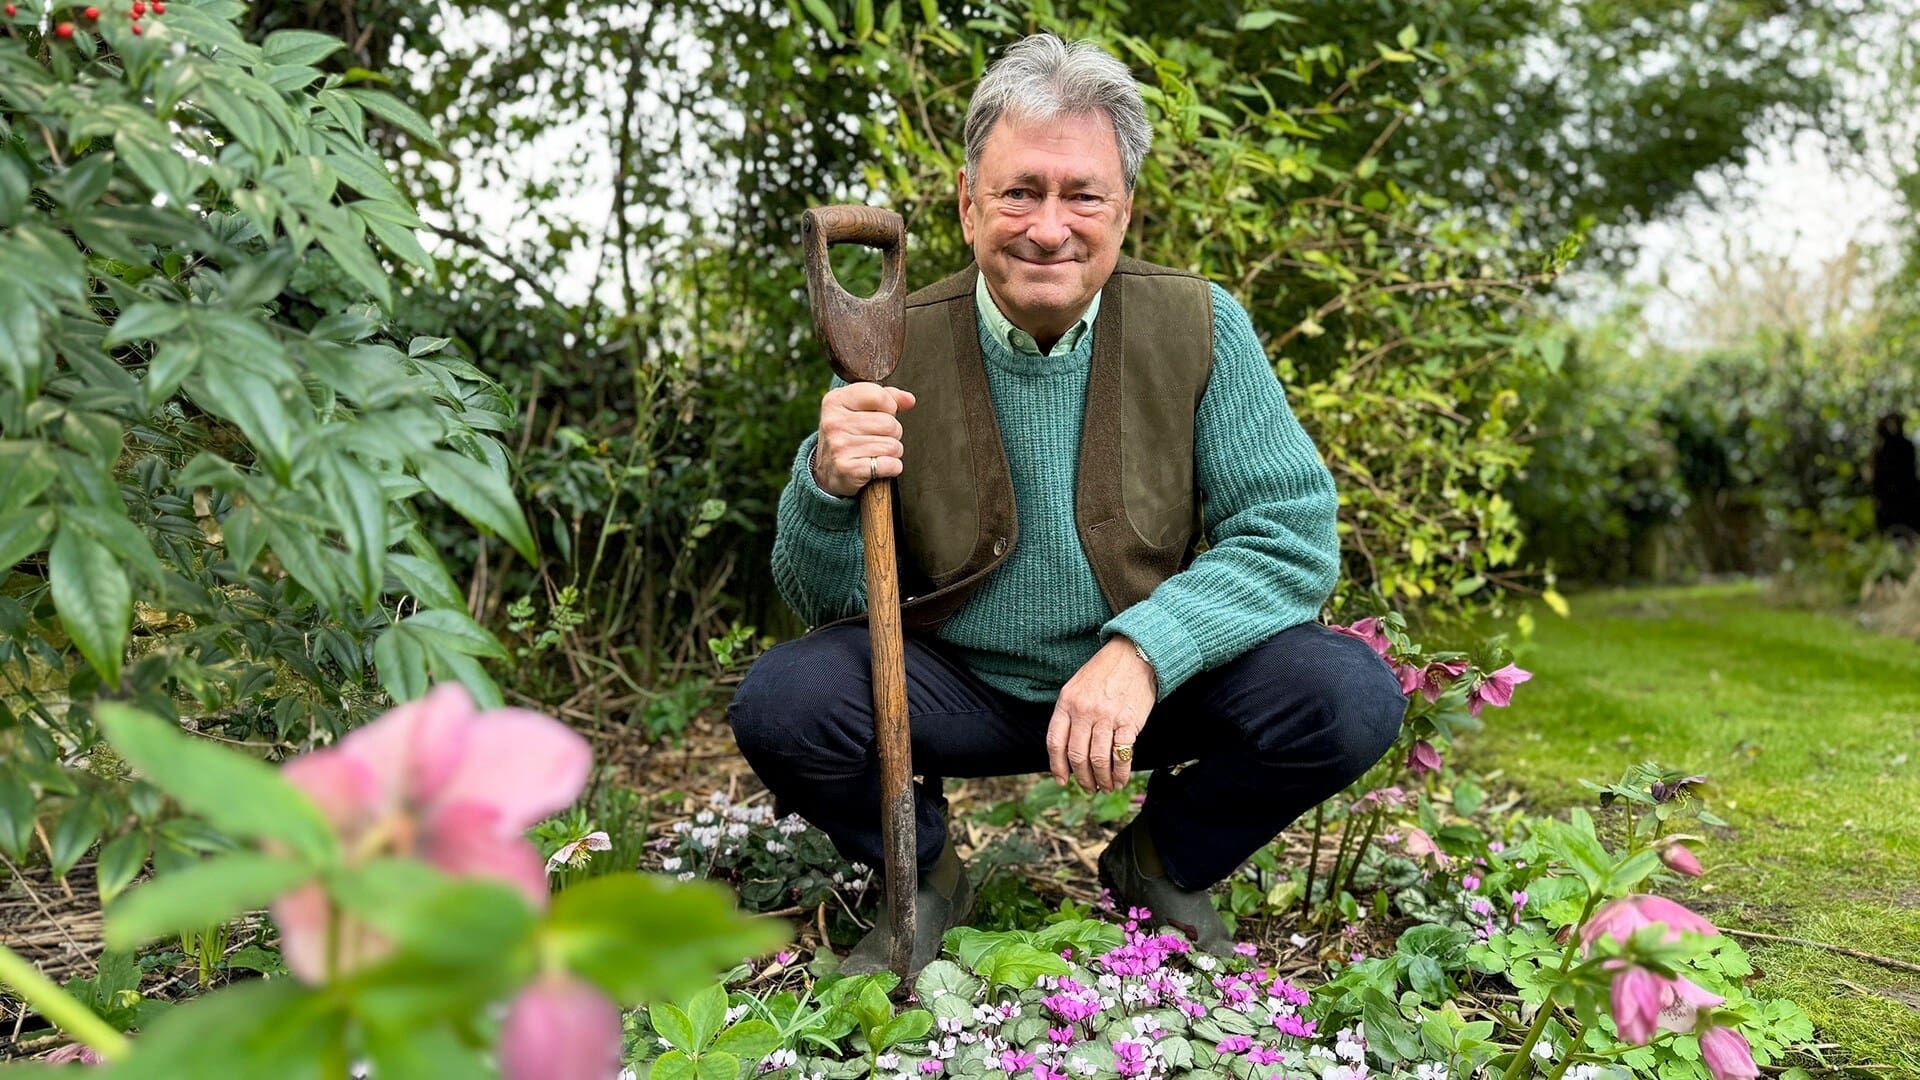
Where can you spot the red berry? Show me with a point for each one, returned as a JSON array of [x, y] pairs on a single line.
[[139, 9], [159, 7], [137, 31], [63, 31], [11, 10], [91, 13]]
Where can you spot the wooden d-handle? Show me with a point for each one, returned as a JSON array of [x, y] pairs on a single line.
[[863, 335]]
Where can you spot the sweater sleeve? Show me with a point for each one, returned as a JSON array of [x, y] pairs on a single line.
[[819, 558], [1270, 510]]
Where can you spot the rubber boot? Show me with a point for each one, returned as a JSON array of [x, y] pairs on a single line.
[[943, 901]]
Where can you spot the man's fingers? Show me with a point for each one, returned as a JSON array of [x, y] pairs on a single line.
[[1100, 756], [1057, 745], [1123, 770], [1079, 751]]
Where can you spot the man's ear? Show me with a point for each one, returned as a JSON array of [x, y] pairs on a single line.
[[966, 206], [1126, 213]]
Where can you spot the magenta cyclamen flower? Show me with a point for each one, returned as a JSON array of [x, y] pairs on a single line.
[[1727, 1055], [1295, 1027], [436, 779], [1234, 1044], [1497, 689], [1620, 918], [560, 1028], [1129, 1058], [1423, 759], [1013, 1061]]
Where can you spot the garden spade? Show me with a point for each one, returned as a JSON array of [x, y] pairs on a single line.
[[863, 338]]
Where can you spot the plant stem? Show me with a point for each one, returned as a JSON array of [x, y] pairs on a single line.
[[1540, 1019], [1366, 841], [1573, 1051], [1313, 860], [61, 1008]]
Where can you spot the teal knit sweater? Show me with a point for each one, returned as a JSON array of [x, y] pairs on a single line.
[[1269, 510]]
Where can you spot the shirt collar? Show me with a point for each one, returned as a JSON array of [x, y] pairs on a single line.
[[1019, 340]]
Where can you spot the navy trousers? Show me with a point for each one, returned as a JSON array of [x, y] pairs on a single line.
[[1236, 753]]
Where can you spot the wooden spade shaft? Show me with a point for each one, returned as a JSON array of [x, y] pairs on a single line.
[[863, 339]]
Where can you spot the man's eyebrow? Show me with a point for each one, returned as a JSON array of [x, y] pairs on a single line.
[[1035, 180]]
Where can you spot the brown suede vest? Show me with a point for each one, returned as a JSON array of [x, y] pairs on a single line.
[[1138, 515]]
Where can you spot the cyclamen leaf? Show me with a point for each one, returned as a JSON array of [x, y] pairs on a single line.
[[239, 795]]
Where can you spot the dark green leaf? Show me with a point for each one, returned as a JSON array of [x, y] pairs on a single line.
[[299, 46], [95, 602], [22, 533], [120, 862], [478, 494]]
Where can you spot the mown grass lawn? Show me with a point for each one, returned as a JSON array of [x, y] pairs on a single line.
[[1810, 729]]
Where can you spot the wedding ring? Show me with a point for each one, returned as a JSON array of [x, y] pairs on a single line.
[[873, 469], [1123, 754]]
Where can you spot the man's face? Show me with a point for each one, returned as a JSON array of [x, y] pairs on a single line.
[[1046, 216]]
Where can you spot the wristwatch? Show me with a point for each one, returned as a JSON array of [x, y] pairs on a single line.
[[1147, 660]]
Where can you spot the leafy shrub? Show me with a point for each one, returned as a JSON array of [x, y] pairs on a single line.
[[216, 450]]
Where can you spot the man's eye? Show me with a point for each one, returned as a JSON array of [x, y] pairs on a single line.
[[1018, 194]]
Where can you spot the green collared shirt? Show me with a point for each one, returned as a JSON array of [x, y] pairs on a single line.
[[1019, 340]]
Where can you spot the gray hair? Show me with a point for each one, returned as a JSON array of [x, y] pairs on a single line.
[[1041, 77]]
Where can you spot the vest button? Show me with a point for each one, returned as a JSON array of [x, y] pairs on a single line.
[[999, 547]]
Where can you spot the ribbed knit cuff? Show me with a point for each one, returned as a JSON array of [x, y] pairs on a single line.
[[1174, 654], [822, 509]]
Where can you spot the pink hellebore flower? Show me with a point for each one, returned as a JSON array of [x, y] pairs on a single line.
[[73, 1052], [1497, 689], [1409, 677], [1367, 630], [1637, 1001], [1438, 675], [1680, 860], [1727, 1055], [1644, 1002], [574, 852], [1620, 918], [1420, 845], [1423, 759], [435, 779], [560, 1028]]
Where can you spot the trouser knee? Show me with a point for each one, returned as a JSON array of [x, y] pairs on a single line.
[[803, 706]]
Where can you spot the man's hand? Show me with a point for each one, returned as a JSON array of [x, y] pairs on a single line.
[[1104, 705], [859, 437]]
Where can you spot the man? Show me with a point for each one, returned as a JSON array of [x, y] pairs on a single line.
[[1077, 425]]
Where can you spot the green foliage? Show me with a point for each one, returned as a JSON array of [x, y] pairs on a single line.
[[217, 447], [445, 952], [1660, 465]]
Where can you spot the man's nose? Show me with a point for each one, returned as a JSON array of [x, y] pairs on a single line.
[[1048, 229]]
